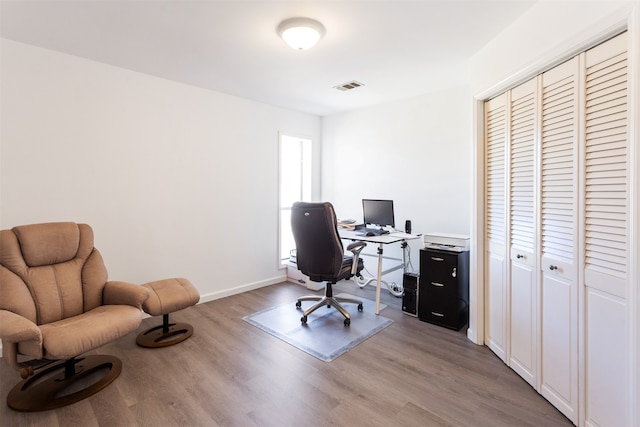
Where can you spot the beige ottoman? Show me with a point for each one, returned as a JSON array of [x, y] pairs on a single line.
[[168, 296]]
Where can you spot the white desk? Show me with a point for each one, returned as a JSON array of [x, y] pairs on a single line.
[[385, 239]]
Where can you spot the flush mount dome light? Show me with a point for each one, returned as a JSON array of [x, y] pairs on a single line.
[[301, 33]]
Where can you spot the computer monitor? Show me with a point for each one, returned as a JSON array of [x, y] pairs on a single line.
[[378, 212]]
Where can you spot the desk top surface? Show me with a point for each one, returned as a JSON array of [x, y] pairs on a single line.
[[385, 238]]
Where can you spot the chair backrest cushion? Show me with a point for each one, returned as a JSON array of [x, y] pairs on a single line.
[[319, 250], [50, 271]]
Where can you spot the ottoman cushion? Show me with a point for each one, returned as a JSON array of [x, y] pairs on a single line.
[[169, 295]]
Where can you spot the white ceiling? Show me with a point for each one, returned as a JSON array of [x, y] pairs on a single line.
[[397, 49]]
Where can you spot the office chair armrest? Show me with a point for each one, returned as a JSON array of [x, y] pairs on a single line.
[[355, 248]]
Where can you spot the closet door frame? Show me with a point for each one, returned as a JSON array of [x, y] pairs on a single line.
[[634, 191]]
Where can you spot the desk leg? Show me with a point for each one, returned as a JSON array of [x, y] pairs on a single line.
[[404, 256], [380, 250]]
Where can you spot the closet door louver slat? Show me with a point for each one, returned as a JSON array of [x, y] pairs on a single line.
[[558, 134], [496, 122], [606, 167], [522, 171]]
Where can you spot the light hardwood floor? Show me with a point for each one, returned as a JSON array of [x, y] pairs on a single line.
[[230, 373]]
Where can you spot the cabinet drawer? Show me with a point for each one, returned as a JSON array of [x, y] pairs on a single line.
[[447, 275], [439, 259], [441, 268], [452, 316], [440, 314], [439, 290]]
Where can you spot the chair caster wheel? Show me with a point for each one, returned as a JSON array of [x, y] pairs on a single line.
[[360, 308], [347, 322], [303, 319], [298, 304]]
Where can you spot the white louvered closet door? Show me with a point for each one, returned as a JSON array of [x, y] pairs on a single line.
[[606, 235], [523, 289], [559, 230], [559, 239], [496, 224]]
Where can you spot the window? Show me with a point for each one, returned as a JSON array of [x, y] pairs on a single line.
[[295, 185]]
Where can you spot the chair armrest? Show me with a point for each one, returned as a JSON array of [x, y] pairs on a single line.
[[355, 248], [15, 328], [358, 246], [124, 293]]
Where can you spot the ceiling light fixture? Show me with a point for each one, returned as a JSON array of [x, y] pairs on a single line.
[[301, 33]]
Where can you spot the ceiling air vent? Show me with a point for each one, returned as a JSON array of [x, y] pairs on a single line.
[[349, 85]]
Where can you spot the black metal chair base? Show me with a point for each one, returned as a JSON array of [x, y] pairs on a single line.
[[46, 389], [165, 335], [330, 301]]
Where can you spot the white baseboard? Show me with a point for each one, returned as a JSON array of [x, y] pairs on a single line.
[[240, 289]]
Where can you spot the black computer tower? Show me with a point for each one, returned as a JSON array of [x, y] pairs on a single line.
[[410, 294]]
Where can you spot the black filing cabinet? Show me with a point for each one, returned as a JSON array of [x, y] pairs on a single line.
[[443, 297]]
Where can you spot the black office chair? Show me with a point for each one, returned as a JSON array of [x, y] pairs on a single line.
[[320, 255]]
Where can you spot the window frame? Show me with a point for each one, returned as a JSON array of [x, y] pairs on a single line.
[[307, 170]]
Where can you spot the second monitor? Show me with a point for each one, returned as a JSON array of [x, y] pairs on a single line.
[[378, 213]]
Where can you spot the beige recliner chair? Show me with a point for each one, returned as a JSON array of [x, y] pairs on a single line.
[[56, 304]]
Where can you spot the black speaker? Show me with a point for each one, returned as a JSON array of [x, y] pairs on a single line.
[[410, 294], [407, 226]]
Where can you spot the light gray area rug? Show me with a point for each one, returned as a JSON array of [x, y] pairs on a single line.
[[325, 335]]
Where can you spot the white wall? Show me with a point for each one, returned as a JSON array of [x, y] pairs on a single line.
[[414, 151], [175, 180]]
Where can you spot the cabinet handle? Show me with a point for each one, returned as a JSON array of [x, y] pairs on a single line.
[[519, 256], [437, 314], [437, 259], [454, 273], [440, 285], [553, 267]]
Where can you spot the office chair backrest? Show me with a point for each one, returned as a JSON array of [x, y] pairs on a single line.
[[318, 245]]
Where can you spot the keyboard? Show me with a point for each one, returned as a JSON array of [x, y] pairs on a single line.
[[375, 231]]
